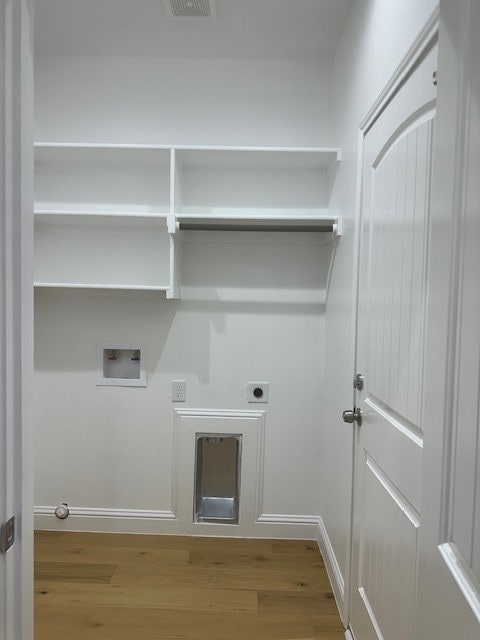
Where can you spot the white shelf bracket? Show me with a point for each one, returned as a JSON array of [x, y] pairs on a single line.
[[338, 228]]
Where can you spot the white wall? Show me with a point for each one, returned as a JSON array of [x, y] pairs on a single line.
[[183, 101], [249, 311], [377, 36]]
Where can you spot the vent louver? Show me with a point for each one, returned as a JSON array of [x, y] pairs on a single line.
[[190, 8]]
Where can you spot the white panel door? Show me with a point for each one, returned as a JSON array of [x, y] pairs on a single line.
[[391, 331], [16, 314], [449, 585]]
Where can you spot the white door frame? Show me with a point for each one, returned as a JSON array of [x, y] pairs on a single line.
[[16, 308], [423, 42]]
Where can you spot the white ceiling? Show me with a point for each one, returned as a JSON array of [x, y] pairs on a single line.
[[243, 29]]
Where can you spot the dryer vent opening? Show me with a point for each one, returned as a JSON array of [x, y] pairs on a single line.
[[217, 478]]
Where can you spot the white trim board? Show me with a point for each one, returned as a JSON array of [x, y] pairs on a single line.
[[250, 424], [334, 572], [424, 41], [138, 521], [107, 520]]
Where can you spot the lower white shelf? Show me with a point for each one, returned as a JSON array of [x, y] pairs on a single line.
[[121, 287], [102, 253]]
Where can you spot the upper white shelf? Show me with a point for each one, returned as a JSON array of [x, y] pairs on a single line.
[[129, 179], [333, 152], [259, 157], [263, 182], [102, 178]]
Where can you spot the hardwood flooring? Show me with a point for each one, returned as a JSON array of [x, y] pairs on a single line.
[[92, 586]]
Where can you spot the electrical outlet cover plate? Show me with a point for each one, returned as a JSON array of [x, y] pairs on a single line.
[[258, 392], [179, 390]]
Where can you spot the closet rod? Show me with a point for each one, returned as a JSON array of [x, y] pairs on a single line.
[[195, 226]]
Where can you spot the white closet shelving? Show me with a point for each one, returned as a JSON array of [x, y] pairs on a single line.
[[98, 178], [99, 251], [111, 216]]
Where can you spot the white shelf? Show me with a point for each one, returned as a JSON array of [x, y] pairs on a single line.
[[100, 219], [99, 145], [96, 250], [260, 157], [102, 179], [107, 215], [333, 152], [262, 182], [46, 213], [77, 285]]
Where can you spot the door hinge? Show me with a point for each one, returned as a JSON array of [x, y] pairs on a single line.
[[7, 535], [435, 78]]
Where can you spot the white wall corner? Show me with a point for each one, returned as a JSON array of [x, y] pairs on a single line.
[[349, 635], [331, 564]]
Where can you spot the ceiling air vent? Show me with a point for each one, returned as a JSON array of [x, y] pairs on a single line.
[[190, 8]]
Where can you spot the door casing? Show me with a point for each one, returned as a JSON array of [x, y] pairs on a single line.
[[16, 314]]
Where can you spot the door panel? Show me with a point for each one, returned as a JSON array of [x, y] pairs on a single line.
[[390, 345], [450, 536], [400, 183], [388, 555]]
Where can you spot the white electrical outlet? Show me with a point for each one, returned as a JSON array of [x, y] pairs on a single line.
[[258, 392], [179, 390]]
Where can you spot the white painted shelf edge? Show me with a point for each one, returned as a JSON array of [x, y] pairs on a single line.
[[182, 221], [167, 147], [100, 214], [120, 287]]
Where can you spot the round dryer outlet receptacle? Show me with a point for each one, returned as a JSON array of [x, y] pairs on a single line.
[[257, 392]]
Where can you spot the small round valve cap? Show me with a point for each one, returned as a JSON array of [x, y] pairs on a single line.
[[62, 511]]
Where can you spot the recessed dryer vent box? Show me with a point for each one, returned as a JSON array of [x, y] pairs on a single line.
[[121, 365]]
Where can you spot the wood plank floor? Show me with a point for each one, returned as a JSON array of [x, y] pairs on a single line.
[[93, 586]]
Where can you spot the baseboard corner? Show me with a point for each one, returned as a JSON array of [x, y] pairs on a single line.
[[331, 564]]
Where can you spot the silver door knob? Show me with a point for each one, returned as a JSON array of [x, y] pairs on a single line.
[[353, 416]]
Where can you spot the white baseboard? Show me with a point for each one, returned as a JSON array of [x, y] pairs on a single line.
[[331, 563], [270, 525], [109, 520], [349, 635], [286, 526]]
